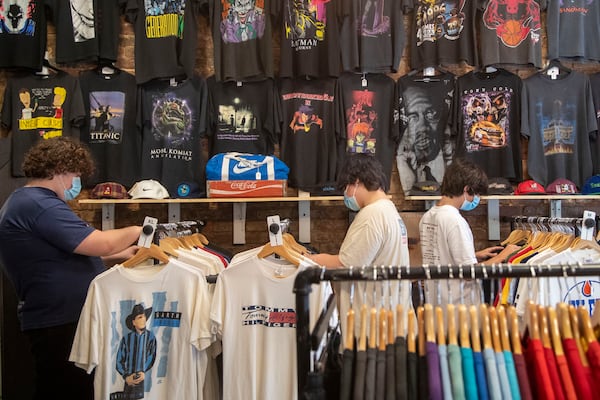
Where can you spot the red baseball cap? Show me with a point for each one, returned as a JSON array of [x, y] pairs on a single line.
[[561, 186], [529, 187]]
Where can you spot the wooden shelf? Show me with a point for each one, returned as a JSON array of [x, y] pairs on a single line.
[[239, 210]]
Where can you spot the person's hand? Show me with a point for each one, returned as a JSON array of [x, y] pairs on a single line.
[[488, 252], [128, 252]]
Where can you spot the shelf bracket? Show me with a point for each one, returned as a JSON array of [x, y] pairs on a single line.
[[555, 208], [174, 212], [239, 223], [108, 216], [493, 206], [304, 217]]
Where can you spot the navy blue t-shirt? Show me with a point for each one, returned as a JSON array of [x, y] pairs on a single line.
[[38, 233]]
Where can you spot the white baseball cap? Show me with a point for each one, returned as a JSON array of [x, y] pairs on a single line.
[[148, 189]]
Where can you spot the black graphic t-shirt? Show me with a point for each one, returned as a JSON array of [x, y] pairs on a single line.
[[558, 118], [310, 39], [309, 133], [369, 116], [443, 32], [511, 33], [165, 37], [173, 121], [425, 146], [486, 115], [23, 34], [110, 128], [373, 35], [40, 107], [240, 123], [242, 38]]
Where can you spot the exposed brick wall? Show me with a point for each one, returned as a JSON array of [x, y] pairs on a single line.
[[329, 220]]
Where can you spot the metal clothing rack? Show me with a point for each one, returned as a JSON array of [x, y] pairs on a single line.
[[308, 341]]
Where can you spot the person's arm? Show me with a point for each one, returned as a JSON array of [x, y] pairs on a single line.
[[120, 257], [326, 260], [502, 256], [106, 243]]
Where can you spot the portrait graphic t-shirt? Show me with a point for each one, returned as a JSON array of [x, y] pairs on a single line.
[[173, 121], [40, 107], [110, 128], [486, 115], [425, 144]]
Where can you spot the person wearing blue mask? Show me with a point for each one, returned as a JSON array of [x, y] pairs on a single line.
[[376, 237], [446, 238], [50, 255]]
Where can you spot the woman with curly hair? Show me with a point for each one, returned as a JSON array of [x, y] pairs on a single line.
[[50, 255]]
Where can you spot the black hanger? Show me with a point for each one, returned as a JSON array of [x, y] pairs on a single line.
[[555, 68], [106, 67], [48, 69], [428, 74]]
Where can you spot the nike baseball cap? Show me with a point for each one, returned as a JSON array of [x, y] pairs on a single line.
[[148, 189], [529, 187], [561, 186]]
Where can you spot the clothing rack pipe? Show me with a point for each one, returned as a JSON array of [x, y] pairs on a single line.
[[314, 275]]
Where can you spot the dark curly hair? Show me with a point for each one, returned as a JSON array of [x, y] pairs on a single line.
[[56, 156], [463, 173], [364, 167]]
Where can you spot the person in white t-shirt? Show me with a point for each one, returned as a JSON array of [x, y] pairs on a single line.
[[446, 238], [377, 236]]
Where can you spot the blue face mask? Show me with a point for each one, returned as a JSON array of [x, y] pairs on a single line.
[[75, 189], [470, 205], [350, 201]]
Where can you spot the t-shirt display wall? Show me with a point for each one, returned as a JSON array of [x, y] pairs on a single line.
[[413, 82]]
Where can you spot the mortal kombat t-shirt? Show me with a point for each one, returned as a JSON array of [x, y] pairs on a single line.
[[173, 121], [40, 107]]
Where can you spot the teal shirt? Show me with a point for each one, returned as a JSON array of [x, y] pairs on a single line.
[[468, 372], [456, 372]]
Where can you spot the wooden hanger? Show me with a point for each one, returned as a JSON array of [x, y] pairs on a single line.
[[517, 236], [555, 332], [382, 340], [349, 339], [544, 331], [198, 239], [586, 325], [373, 328], [475, 338], [451, 316], [391, 338], [362, 339], [486, 332], [439, 325], [280, 250], [170, 246], [576, 334], [291, 242], [495, 329], [421, 331], [513, 321], [463, 321], [399, 321], [533, 322], [503, 328], [583, 244], [411, 344], [146, 253], [595, 318], [566, 331], [429, 323]]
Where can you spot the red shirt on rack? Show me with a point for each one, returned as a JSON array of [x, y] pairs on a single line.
[[582, 385]]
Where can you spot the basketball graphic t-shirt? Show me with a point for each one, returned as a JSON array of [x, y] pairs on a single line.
[[511, 32]]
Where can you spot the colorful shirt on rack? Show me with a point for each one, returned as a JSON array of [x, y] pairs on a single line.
[[523, 377], [468, 371], [23, 32]]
